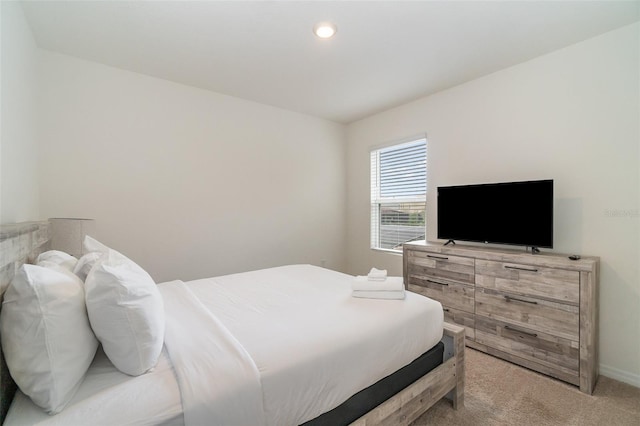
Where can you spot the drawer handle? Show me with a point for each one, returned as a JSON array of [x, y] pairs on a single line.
[[520, 269], [436, 282], [445, 309], [520, 331], [437, 257], [509, 299]]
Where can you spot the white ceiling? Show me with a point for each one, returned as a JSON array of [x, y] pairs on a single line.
[[385, 53]]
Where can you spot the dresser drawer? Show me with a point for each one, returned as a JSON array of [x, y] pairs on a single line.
[[449, 293], [554, 318], [548, 283], [462, 318], [551, 351], [438, 265]]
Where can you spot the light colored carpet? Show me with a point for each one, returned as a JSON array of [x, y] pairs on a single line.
[[500, 393]]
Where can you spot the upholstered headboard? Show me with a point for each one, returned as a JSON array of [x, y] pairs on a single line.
[[19, 243]]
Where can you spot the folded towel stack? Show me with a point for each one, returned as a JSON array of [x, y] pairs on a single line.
[[361, 283], [377, 285], [377, 274]]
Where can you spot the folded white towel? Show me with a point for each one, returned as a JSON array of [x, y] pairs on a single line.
[[377, 274], [362, 283], [388, 295]]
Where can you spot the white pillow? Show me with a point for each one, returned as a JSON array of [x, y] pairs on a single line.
[[126, 313], [85, 263], [93, 250], [90, 244], [46, 337], [59, 257], [59, 268]]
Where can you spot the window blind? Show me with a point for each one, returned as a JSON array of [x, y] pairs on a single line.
[[398, 194]]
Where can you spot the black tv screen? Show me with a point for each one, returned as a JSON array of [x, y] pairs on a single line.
[[516, 213]]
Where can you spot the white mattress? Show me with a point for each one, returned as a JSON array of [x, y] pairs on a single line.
[[314, 346]]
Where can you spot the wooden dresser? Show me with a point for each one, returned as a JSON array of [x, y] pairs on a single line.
[[536, 310]]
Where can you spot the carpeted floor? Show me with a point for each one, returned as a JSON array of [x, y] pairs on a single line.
[[500, 393]]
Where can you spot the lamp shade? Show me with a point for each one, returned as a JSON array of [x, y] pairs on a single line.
[[67, 234]]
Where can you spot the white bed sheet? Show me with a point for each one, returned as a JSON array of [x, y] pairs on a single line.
[[305, 354], [219, 382], [312, 357], [108, 397]]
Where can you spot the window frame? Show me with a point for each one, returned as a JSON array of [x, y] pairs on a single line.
[[377, 201]]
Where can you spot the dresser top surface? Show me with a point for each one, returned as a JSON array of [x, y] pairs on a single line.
[[548, 259]]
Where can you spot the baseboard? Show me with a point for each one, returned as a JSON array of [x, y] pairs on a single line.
[[620, 375]]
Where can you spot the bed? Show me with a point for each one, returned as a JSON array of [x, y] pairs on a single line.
[[341, 361]]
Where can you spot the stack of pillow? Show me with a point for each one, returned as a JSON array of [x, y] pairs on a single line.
[[55, 314]]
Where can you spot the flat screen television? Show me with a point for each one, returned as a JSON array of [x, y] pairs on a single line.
[[514, 213]]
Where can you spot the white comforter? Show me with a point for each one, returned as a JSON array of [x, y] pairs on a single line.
[[297, 339], [219, 383]]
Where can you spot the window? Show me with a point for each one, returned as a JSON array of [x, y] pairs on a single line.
[[398, 194]]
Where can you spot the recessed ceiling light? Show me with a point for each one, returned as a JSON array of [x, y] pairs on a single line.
[[324, 29]]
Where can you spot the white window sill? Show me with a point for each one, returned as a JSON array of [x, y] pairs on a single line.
[[389, 251]]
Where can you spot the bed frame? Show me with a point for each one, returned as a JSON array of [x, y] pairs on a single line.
[[414, 400], [21, 243]]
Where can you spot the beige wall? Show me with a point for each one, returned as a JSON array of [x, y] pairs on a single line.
[[187, 182], [571, 116], [18, 144]]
